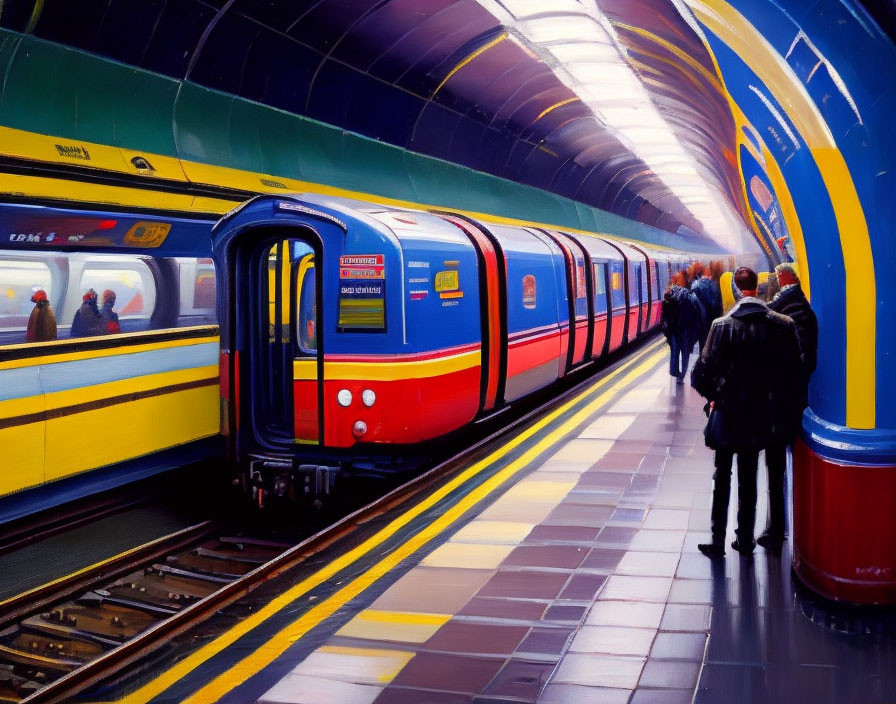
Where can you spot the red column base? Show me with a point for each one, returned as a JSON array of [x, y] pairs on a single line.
[[844, 527]]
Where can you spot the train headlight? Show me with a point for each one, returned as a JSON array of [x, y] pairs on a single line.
[[359, 428], [368, 397], [344, 397]]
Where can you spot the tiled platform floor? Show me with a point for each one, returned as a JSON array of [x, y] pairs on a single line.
[[582, 583]]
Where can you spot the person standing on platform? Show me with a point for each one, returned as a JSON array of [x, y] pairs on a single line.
[[42, 323], [792, 302], [681, 323], [749, 373]]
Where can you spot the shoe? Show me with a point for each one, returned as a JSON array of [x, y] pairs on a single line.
[[745, 550], [770, 541], [679, 380], [712, 549]]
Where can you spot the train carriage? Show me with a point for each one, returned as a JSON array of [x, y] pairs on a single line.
[[405, 325]]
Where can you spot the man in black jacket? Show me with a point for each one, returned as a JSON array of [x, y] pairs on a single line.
[[749, 372], [792, 302]]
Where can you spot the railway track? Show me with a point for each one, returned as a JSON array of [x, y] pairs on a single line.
[[64, 637]]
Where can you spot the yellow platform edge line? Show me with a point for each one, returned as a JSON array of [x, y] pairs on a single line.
[[615, 381]]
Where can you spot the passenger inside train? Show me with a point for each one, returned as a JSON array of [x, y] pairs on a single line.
[[68, 295]]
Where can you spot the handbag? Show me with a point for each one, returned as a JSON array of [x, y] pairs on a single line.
[[714, 433]]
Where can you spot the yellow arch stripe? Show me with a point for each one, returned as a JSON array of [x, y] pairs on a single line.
[[481, 50], [777, 76], [553, 107]]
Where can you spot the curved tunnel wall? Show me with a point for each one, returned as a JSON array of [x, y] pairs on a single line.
[[823, 115]]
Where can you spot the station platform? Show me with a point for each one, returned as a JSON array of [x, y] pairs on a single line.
[[562, 568]]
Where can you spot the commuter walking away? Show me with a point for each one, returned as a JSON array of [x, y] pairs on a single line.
[[42, 323], [87, 321], [792, 302], [749, 373], [682, 322], [711, 305], [109, 316]]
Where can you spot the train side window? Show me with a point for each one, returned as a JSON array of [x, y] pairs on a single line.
[[617, 278], [600, 287], [197, 292], [130, 280], [307, 332], [19, 279]]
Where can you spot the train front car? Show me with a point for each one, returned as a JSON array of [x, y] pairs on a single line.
[[344, 326]]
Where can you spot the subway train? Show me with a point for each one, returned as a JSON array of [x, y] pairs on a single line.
[[347, 326], [430, 320]]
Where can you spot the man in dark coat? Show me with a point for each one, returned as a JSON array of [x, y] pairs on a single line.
[[792, 302], [682, 321], [109, 316], [711, 304], [749, 373], [87, 321]]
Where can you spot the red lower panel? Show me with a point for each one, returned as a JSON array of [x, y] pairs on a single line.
[[305, 410], [600, 335], [844, 533], [633, 323], [657, 311], [616, 331], [645, 316], [526, 354], [578, 354], [405, 410]]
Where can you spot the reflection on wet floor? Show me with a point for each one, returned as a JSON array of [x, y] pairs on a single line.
[[582, 583]]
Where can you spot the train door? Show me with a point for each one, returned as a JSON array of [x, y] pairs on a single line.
[[276, 320]]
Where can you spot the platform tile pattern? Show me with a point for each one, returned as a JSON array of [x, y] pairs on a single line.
[[582, 584]]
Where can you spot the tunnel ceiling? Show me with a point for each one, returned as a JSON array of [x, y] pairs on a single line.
[[616, 105]]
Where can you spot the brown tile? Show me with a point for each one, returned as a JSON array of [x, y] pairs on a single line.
[[565, 612], [504, 608], [524, 584], [602, 559], [567, 514], [404, 695], [582, 534], [476, 638], [669, 673], [550, 641], [435, 590], [520, 679], [628, 515], [563, 556], [616, 537], [454, 673], [583, 587]]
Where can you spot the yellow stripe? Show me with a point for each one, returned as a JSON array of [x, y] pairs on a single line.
[[861, 293], [378, 616], [227, 680], [305, 369], [481, 50], [85, 394], [51, 358], [555, 106]]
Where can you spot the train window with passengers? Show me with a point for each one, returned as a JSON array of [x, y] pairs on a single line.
[[46, 296]]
